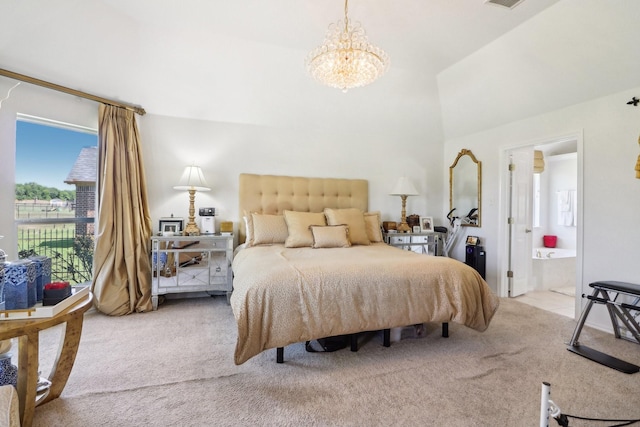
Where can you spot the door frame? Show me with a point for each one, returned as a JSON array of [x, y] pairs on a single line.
[[504, 200]]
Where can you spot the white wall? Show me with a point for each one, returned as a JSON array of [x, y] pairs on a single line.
[[225, 150], [610, 190], [567, 71]]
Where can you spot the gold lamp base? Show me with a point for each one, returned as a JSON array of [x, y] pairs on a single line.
[[403, 227], [191, 229]]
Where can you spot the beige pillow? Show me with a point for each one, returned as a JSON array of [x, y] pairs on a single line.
[[372, 223], [267, 229], [330, 236], [298, 227], [248, 226], [354, 219]]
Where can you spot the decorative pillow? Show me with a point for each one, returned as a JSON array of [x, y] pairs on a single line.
[[330, 236], [372, 223], [298, 227], [268, 229], [354, 219], [248, 226]]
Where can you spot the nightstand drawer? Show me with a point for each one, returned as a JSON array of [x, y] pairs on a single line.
[[428, 243], [399, 240], [192, 276], [218, 265], [421, 239]]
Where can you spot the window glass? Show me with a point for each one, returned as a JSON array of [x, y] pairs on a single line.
[[56, 169]]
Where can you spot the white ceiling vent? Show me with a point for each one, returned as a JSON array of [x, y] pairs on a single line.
[[510, 4]]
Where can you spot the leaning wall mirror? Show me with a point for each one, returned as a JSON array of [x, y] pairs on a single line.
[[465, 183]]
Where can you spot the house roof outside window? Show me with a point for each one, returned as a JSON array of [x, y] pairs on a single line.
[[84, 170]]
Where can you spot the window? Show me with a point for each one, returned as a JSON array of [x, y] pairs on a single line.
[[56, 169]]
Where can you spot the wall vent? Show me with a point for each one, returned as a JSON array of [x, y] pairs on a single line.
[[510, 4]]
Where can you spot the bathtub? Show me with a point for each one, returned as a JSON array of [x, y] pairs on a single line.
[[553, 268], [543, 253]]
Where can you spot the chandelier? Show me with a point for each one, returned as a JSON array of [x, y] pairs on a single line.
[[346, 59]]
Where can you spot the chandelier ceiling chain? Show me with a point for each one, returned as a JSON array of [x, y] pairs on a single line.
[[346, 15], [346, 59]]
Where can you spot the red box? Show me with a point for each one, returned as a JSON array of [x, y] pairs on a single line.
[[550, 241], [55, 292]]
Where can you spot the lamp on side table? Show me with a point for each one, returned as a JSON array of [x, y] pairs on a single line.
[[404, 188], [192, 180]]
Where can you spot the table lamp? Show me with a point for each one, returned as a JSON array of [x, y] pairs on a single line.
[[192, 180], [404, 188]]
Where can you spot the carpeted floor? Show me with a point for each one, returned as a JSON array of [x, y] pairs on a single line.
[[174, 367]]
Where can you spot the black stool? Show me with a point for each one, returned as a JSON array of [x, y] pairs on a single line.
[[617, 311]]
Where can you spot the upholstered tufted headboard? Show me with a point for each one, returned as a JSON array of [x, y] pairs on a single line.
[[274, 194]]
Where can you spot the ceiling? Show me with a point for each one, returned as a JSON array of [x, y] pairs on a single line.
[[243, 60], [431, 35]]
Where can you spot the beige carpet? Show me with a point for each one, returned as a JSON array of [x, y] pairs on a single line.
[[174, 367]]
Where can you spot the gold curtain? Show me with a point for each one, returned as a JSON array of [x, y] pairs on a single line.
[[121, 266]]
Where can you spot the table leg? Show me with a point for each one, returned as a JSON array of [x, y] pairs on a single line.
[[66, 357], [27, 333], [27, 375]]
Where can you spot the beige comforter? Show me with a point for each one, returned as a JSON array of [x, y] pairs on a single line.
[[282, 295]]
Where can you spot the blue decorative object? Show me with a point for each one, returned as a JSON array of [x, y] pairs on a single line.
[[43, 273], [19, 284], [163, 262], [8, 371]]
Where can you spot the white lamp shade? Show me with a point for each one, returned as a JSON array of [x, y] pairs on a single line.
[[192, 179], [404, 187]]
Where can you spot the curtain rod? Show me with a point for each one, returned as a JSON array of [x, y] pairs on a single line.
[[32, 80]]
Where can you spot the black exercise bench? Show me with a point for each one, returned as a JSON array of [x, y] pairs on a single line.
[[618, 310]]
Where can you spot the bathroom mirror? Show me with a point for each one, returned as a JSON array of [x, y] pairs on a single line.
[[465, 183]]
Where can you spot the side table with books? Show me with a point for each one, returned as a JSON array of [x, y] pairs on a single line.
[[26, 329]]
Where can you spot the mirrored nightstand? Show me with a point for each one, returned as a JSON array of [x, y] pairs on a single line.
[[428, 243]]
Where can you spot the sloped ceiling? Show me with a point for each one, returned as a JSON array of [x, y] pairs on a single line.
[[243, 61], [570, 53], [458, 66]]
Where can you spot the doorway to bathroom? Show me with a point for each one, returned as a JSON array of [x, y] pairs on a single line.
[[542, 193]]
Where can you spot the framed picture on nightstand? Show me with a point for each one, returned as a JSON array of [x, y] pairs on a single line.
[[426, 224], [171, 225]]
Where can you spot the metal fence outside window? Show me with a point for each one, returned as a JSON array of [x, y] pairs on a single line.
[[55, 232]]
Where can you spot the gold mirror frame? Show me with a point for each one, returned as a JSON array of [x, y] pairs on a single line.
[[466, 180]]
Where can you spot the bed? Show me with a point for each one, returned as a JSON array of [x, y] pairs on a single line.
[[290, 289]]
